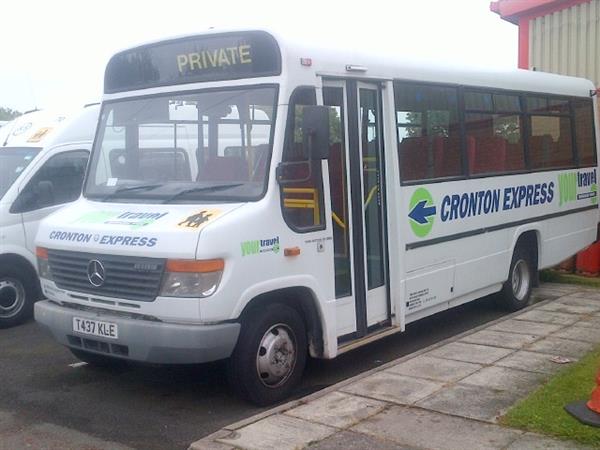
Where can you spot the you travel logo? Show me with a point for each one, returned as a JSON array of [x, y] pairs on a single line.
[[260, 246], [575, 186], [422, 212]]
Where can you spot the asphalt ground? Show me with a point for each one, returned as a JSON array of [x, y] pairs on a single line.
[[155, 407]]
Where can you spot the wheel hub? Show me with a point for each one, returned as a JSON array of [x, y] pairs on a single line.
[[520, 280], [12, 297], [276, 356]]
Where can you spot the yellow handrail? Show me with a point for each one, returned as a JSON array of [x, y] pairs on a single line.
[[310, 203]]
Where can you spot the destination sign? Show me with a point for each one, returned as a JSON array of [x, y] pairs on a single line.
[[226, 56]]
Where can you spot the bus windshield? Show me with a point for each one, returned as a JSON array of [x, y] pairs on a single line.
[[211, 145], [13, 161]]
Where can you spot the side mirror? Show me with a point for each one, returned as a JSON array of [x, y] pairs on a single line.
[[315, 125], [293, 172]]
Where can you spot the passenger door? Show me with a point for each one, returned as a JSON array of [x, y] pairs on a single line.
[[56, 182], [356, 179]]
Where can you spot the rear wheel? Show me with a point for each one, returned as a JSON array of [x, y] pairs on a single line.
[[270, 355], [96, 360], [516, 292], [18, 293]]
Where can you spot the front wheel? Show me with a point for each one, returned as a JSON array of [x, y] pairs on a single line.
[[516, 292], [270, 355], [18, 293]]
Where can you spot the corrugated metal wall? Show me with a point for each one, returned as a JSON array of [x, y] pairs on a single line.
[[567, 42]]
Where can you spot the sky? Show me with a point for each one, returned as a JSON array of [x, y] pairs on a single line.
[[54, 52]]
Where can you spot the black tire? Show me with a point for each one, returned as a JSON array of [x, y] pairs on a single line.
[[516, 291], [96, 360], [272, 340], [18, 292]]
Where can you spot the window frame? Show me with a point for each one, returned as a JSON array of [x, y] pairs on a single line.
[[287, 141], [502, 113], [523, 95], [461, 125], [36, 172], [99, 135]]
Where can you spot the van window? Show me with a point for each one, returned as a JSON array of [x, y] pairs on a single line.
[[58, 181], [13, 160]]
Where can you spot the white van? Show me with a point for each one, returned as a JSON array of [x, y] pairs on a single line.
[[43, 156]]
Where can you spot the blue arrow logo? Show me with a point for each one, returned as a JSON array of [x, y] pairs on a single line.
[[421, 212]]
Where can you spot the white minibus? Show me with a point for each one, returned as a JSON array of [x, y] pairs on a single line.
[[308, 201], [43, 156]]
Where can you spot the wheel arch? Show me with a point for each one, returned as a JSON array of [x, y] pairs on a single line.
[[304, 301], [15, 259], [529, 239]]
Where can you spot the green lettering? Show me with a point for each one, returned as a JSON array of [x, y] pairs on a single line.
[[250, 248]]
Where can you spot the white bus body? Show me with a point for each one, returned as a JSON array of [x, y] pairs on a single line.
[[408, 189], [36, 149]]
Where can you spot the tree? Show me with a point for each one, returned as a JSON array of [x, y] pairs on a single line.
[[8, 114]]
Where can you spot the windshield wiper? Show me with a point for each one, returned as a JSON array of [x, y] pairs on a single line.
[[116, 192], [217, 187]]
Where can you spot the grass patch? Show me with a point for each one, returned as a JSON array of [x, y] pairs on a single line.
[[554, 276], [543, 411]]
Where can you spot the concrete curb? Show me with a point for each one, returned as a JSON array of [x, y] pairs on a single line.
[[229, 429]]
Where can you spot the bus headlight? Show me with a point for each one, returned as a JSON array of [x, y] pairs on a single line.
[[191, 278], [42, 262]]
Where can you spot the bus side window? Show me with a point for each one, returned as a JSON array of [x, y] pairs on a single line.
[[302, 200], [550, 138], [428, 128], [493, 123], [584, 132]]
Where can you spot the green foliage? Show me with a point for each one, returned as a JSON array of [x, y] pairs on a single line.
[[543, 411], [8, 114]]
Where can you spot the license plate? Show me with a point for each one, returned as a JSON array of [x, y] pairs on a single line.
[[96, 328]]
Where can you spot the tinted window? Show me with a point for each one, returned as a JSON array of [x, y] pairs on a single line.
[[494, 135], [550, 136], [547, 105], [584, 132], [12, 162], [478, 101], [58, 181], [428, 128]]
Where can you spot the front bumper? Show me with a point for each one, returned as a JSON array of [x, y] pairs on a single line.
[[141, 340]]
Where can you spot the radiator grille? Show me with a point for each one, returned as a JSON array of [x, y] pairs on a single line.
[[132, 278]]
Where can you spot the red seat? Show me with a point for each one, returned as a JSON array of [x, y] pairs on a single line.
[[447, 151], [486, 154], [413, 158]]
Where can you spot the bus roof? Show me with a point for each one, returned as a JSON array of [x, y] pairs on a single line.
[[183, 58]]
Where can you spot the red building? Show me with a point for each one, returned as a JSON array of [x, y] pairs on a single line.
[[559, 36]]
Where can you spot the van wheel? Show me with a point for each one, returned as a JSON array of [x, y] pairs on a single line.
[[270, 355], [96, 360], [18, 293], [516, 291]]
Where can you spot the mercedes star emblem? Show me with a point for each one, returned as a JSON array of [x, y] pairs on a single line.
[[96, 273]]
